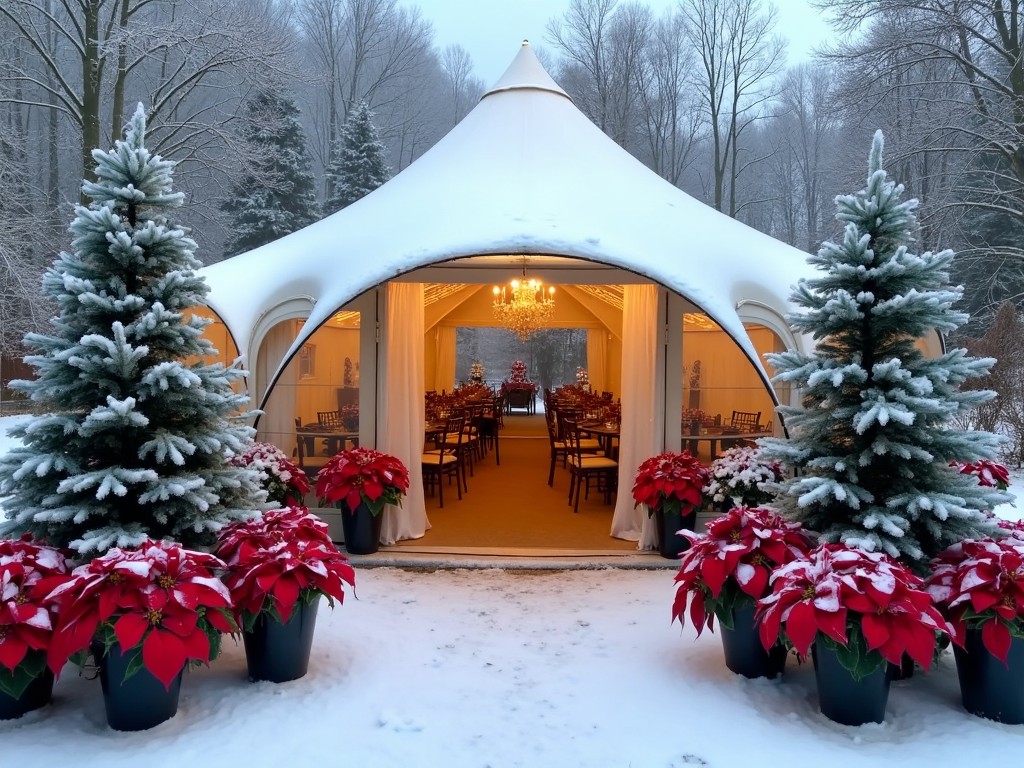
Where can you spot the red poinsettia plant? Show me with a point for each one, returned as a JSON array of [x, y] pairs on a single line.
[[989, 473], [730, 565], [276, 560], [28, 573], [979, 584], [672, 481], [283, 481], [868, 608], [362, 476], [161, 603]]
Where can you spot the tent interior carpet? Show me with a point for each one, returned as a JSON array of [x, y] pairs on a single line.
[[511, 507]]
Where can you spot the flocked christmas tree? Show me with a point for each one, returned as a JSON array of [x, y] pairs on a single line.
[[357, 164], [276, 196], [136, 425], [872, 442]]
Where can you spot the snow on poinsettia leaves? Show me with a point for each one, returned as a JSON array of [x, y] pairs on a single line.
[[979, 583], [159, 598], [277, 559], [732, 563], [839, 589]]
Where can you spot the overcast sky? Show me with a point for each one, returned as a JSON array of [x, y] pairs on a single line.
[[492, 30]]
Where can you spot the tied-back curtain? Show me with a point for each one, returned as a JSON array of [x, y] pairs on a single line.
[[444, 371], [277, 425], [401, 390], [638, 437], [597, 359]]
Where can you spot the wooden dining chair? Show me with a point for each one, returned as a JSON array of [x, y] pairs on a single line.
[[583, 466], [307, 459], [445, 460], [748, 421]]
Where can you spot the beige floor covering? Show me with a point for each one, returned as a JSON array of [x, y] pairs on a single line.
[[511, 507]]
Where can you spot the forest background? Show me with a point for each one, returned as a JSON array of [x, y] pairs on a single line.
[[699, 91]]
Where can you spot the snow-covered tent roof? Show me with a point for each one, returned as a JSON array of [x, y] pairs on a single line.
[[525, 172]]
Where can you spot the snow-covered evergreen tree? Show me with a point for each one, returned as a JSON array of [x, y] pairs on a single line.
[[137, 425], [872, 442], [357, 164], [276, 195]]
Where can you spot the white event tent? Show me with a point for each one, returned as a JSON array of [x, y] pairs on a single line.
[[524, 179]]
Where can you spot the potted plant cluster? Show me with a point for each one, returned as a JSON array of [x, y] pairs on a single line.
[[361, 481], [738, 478], [671, 486], [282, 479], [856, 613], [144, 614], [28, 615], [990, 474], [723, 574], [979, 585], [278, 567]]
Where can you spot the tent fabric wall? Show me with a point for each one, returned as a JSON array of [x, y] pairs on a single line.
[[444, 360], [597, 359], [277, 425], [638, 436], [402, 406]]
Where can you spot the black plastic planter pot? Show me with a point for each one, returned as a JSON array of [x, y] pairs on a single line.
[[744, 653], [138, 702], [36, 695], [362, 529], [280, 652], [988, 688], [843, 699], [670, 543]]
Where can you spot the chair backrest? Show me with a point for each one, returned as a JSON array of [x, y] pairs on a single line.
[[329, 418], [571, 436], [550, 420], [746, 420]]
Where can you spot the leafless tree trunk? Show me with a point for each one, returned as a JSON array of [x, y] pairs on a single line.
[[738, 57], [90, 54]]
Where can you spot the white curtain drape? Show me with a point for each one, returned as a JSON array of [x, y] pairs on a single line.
[[401, 374], [597, 358], [444, 371], [638, 438], [277, 425]]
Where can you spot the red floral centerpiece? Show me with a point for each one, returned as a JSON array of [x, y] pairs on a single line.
[[278, 567], [857, 611], [739, 476], [28, 573], [726, 570], [145, 613], [671, 487], [979, 585], [361, 481], [517, 380], [284, 482]]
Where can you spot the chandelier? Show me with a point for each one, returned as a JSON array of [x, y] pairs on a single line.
[[524, 306]]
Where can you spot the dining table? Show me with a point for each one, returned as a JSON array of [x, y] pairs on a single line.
[[337, 438], [715, 436]]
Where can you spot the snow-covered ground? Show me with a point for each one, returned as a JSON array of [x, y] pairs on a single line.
[[499, 668]]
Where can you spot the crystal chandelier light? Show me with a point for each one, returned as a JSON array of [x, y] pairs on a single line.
[[523, 307]]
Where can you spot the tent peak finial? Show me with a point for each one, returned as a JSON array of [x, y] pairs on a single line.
[[526, 73]]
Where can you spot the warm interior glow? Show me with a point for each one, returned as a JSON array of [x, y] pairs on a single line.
[[523, 308]]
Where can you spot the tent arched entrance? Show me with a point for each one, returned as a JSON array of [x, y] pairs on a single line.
[[590, 296]]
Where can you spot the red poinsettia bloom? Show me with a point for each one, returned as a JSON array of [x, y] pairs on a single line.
[[839, 586], [277, 559], [989, 473], [980, 584], [732, 562], [362, 475], [674, 481], [160, 598], [28, 573]]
